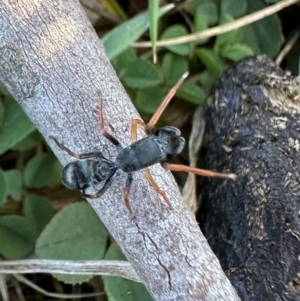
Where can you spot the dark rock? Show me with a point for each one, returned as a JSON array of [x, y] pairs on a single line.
[[253, 224]]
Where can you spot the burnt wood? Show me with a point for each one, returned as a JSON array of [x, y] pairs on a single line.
[[253, 224]]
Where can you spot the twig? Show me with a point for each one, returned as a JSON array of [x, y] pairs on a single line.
[[54, 65], [86, 267], [54, 295], [3, 288], [288, 46], [214, 31]]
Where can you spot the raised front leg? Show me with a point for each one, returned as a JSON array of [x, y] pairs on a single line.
[[164, 104]]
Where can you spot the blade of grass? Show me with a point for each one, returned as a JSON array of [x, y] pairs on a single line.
[[153, 10], [124, 35], [113, 7]]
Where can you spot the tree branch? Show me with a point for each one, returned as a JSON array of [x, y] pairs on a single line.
[[54, 65]]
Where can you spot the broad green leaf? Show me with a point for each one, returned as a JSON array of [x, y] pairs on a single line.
[[74, 233], [124, 35], [174, 32], [16, 125], [210, 59], [153, 9], [191, 93], [207, 78], [236, 52], [173, 66], [228, 38], [124, 59], [14, 183], [28, 142], [17, 236], [200, 24], [120, 289], [38, 210], [141, 74], [148, 100], [42, 170], [4, 190], [230, 7], [263, 36], [209, 10]]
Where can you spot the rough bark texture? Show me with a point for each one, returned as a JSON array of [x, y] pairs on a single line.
[[54, 65], [253, 226]]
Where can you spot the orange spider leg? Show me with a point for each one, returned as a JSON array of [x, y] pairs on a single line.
[[155, 186], [197, 171], [134, 125], [164, 104]]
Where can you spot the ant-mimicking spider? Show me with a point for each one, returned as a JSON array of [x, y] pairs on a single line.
[[92, 168]]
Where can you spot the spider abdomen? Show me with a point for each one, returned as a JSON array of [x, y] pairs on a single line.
[[81, 174]]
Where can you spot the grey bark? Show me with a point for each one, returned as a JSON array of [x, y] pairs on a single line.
[[54, 65]]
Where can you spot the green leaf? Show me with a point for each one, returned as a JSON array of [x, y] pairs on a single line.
[[16, 125], [191, 93], [263, 36], [141, 74], [148, 100], [124, 35], [236, 52], [120, 289], [38, 210], [42, 170], [27, 143], [230, 7], [14, 183], [209, 10], [1, 113], [200, 24], [174, 32], [4, 190], [124, 59], [75, 233], [207, 79], [227, 38], [210, 59], [153, 9], [17, 236], [173, 66]]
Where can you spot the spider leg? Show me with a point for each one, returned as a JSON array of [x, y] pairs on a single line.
[[112, 139], [156, 187], [197, 171], [103, 189], [164, 104], [75, 155], [147, 174], [127, 191], [134, 125]]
